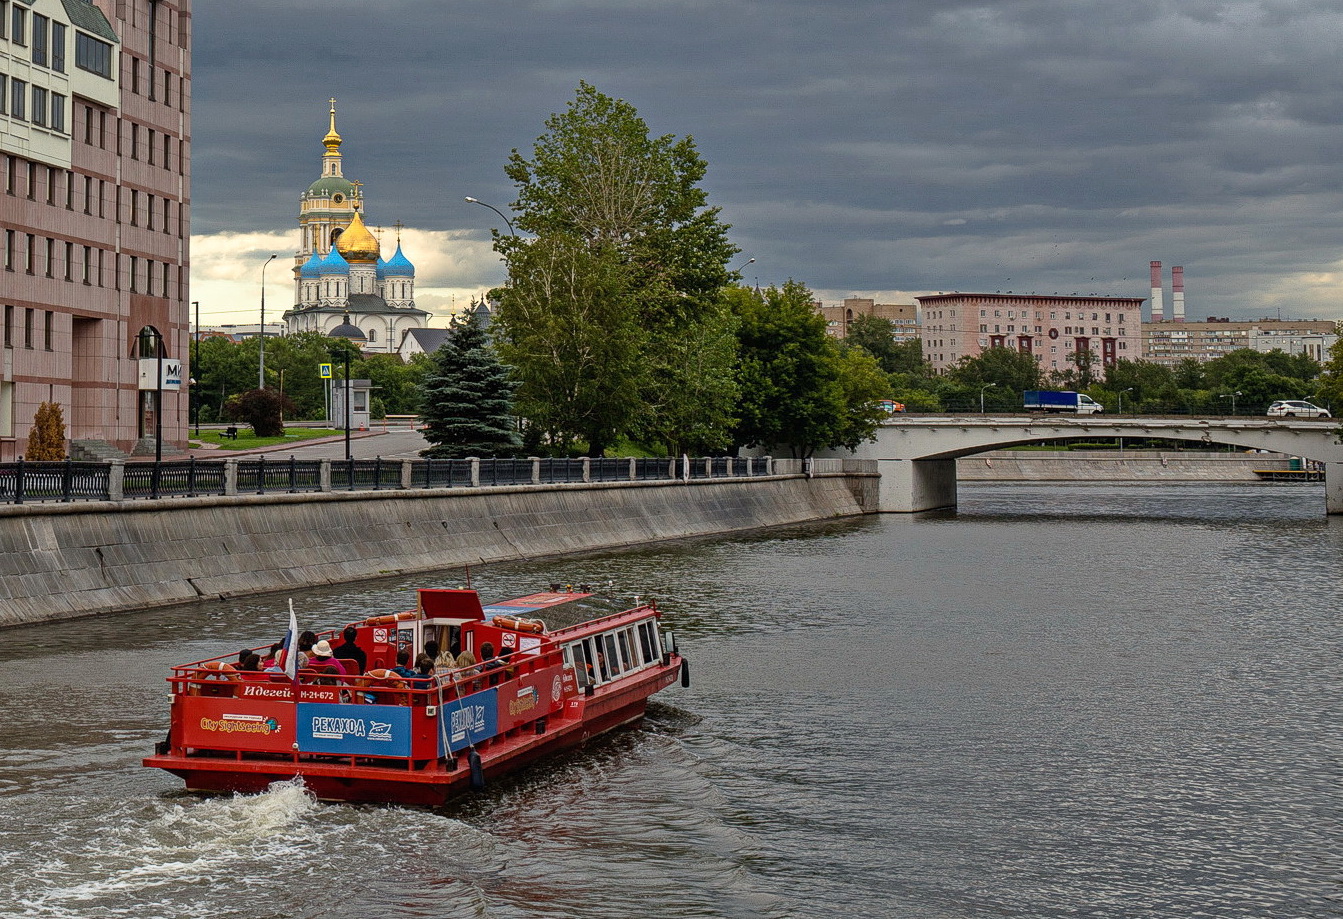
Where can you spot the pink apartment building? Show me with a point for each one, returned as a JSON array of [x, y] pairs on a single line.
[[95, 142], [1049, 327]]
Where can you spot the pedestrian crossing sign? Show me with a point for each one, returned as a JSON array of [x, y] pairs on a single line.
[[325, 370]]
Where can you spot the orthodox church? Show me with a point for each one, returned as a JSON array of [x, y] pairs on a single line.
[[340, 276]]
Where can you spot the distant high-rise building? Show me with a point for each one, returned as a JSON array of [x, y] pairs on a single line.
[[95, 135], [1053, 329], [339, 274], [1171, 342]]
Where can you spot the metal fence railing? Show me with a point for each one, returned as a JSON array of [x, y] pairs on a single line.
[[28, 482]]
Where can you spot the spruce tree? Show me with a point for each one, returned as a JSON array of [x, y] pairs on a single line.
[[466, 398]]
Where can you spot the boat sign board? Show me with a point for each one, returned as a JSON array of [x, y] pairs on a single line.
[[471, 720], [353, 730], [238, 724]]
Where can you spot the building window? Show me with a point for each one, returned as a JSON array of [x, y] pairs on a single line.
[[9, 326], [28, 327], [58, 112], [18, 29], [18, 99], [40, 31], [9, 250], [30, 258], [58, 47], [69, 261], [48, 330], [4, 94], [51, 257], [39, 106], [93, 55]]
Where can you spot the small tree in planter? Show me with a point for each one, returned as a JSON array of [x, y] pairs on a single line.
[[46, 440], [263, 409]]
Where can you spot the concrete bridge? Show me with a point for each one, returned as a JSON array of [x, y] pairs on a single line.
[[917, 454]]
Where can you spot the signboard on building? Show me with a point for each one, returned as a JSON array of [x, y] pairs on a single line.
[[172, 373]]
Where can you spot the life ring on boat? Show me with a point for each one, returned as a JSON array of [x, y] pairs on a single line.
[[520, 624], [388, 620], [380, 680], [212, 679]]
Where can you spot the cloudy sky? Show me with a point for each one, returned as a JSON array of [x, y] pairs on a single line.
[[864, 148]]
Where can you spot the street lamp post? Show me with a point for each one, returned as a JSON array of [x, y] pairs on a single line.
[[1121, 398], [349, 396], [981, 395], [158, 404], [195, 369], [501, 214], [261, 376]]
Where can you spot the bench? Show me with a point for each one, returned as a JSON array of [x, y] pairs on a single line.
[[231, 433]]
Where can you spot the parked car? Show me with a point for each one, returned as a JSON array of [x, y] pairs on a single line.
[[1295, 408]]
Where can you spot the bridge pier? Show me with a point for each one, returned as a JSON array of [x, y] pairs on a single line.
[[919, 485], [1333, 488]]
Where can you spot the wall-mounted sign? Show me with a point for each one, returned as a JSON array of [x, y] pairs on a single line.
[[172, 373]]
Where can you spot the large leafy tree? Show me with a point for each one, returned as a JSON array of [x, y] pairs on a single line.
[[466, 398], [627, 263], [799, 389]]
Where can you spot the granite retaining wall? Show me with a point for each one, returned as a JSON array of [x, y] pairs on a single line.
[[65, 560], [1113, 465]]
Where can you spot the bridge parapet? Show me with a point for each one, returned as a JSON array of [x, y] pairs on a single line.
[[916, 454]]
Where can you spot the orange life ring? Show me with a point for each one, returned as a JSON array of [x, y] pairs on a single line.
[[520, 624], [214, 671], [378, 680], [388, 620]]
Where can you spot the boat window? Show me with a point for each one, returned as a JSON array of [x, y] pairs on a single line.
[[577, 656], [627, 659], [612, 655], [648, 641]]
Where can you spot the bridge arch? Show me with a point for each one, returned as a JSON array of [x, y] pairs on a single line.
[[917, 455]]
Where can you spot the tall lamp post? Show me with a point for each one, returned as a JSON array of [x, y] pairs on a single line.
[[1121, 398], [195, 369], [158, 404], [349, 397], [504, 217], [981, 395], [261, 376]]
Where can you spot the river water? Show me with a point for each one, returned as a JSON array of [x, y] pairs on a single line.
[[1109, 701]]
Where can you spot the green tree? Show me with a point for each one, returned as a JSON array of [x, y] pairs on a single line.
[[1011, 372], [798, 390], [466, 398], [224, 368], [624, 233], [876, 336], [565, 327], [46, 439]]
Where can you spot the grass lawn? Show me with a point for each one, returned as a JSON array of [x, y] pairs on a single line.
[[246, 440]]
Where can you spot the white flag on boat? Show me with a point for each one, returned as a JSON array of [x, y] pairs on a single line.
[[291, 645]]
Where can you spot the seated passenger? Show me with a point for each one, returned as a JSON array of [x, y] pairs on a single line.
[[271, 658], [402, 667], [490, 665], [347, 650], [322, 659], [424, 672], [250, 668]]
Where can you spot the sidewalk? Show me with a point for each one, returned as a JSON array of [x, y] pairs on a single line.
[[363, 445]]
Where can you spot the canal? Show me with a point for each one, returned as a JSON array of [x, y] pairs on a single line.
[[1058, 700]]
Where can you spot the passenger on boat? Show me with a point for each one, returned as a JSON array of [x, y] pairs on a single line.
[[322, 662], [250, 668], [347, 650], [273, 657], [489, 664], [424, 672], [403, 667], [444, 661]]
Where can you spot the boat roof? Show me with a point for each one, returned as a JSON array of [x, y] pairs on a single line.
[[531, 603]]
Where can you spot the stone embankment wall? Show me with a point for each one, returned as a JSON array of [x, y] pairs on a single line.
[[64, 560], [1112, 465]]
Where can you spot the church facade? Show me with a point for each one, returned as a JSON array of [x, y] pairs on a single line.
[[340, 276]]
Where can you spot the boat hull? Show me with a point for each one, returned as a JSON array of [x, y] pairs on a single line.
[[424, 783]]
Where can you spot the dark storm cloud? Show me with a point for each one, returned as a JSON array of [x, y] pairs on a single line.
[[1037, 145]]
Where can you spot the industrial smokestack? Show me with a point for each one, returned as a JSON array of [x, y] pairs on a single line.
[[1177, 294], [1158, 311]]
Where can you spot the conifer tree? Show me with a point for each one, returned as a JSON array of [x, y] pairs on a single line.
[[466, 398], [46, 440]]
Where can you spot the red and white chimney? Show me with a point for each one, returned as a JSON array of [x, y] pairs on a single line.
[[1177, 294], [1158, 311]]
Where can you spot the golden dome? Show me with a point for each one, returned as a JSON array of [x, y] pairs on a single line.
[[332, 139], [357, 244]]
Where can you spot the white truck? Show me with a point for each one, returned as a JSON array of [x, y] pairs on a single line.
[[1043, 400]]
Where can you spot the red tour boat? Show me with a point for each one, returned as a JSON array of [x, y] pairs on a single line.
[[382, 737]]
